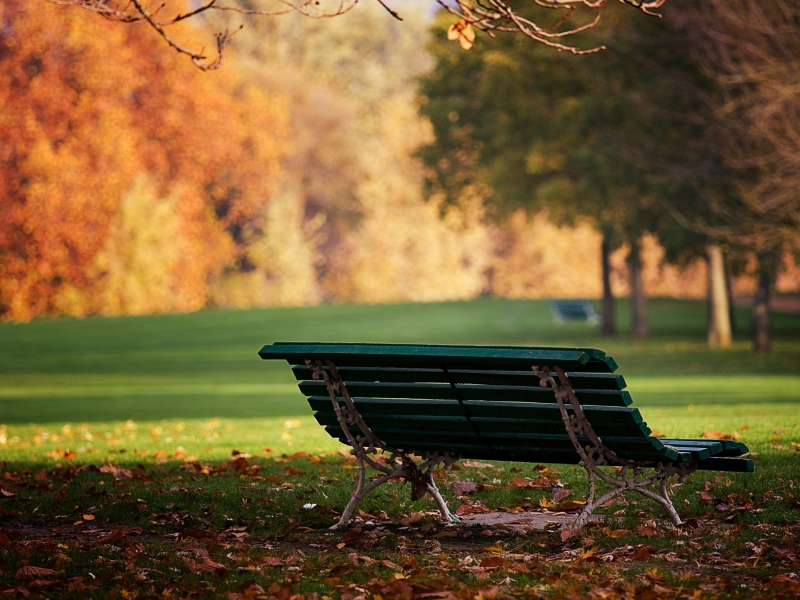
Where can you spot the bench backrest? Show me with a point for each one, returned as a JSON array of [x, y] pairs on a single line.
[[482, 402]]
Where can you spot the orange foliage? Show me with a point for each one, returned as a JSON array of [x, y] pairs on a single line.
[[88, 108]]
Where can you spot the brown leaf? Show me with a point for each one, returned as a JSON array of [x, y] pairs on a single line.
[[474, 464], [112, 538], [560, 495], [467, 509], [397, 590], [519, 482], [493, 562], [462, 488], [717, 435], [351, 536], [646, 530], [198, 534], [569, 533], [643, 553], [239, 464], [285, 592], [31, 572]]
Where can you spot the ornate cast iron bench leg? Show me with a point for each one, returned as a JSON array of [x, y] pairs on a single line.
[[365, 443], [628, 476]]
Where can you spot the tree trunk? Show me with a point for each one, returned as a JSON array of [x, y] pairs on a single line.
[[719, 321], [730, 286], [609, 322], [761, 334], [639, 326]]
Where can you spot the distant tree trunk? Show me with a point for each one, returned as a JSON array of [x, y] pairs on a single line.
[[761, 333], [639, 326], [730, 286], [719, 319], [609, 323]]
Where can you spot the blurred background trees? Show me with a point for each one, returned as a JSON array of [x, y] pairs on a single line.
[[365, 159]]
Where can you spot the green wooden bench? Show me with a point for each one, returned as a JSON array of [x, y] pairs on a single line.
[[581, 310], [406, 409]]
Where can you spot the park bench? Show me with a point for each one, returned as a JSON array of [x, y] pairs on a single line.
[[406, 409], [564, 310]]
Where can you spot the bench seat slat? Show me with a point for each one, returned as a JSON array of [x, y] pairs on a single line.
[[729, 447], [427, 355], [382, 406], [444, 391], [505, 410], [584, 381], [553, 450], [486, 426], [733, 465], [697, 452]]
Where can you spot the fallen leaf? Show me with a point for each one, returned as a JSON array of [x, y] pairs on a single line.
[[560, 495], [31, 572], [646, 530], [462, 488], [474, 464], [493, 562], [717, 435], [569, 533]]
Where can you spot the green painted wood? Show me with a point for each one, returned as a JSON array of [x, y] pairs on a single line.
[[697, 452], [734, 465], [580, 381], [597, 415], [422, 356], [484, 426], [485, 402], [605, 430], [711, 446], [445, 391], [382, 406], [426, 424], [565, 454], [528, 410], [729, 447]]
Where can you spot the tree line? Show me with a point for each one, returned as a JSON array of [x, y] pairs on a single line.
[[683, 129], [133, 183]]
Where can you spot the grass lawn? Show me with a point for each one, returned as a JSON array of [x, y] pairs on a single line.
[[156, 406]]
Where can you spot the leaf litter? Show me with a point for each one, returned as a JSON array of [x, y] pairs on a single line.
[[239, 529]]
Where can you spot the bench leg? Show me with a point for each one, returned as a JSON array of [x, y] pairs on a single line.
[[636, 483], [434, 491], [629, 475]]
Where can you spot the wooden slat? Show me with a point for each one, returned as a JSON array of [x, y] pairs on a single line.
[[529, 410], [424, 356], [729, 447], [494, 426], [582, 381], [713, 446], [499, 426], [382, 406], [734, 465], [489, 393], [697, 452], [411, 424], [468, 449], [597, 415]]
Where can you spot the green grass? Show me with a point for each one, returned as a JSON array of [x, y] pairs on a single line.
[[158, 394]]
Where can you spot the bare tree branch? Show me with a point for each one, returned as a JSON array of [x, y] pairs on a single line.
[[490, 16]]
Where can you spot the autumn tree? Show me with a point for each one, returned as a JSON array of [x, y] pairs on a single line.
[[89, 145]]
